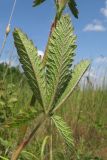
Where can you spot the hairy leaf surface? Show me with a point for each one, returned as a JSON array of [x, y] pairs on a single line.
[[77, 74], [64, 130], [60, 56], [31, 64]]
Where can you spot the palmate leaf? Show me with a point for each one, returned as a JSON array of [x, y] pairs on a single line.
[[72, 5], [60, 56], [64, 130], [31, 64], [77, 74], [37, 2]]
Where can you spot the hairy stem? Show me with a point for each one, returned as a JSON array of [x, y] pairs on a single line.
[[24, 143], [23, 129]]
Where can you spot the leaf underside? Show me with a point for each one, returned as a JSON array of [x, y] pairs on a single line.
[[31, 64], [60, 56], [55, 82], [64, 130], [77, 74]]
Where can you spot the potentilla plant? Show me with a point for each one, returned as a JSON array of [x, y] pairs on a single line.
[[51, 82]]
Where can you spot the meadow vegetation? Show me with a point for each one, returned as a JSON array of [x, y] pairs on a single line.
[[85, 112], [46, 113]]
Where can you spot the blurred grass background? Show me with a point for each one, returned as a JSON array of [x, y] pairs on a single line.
[[85, 112]]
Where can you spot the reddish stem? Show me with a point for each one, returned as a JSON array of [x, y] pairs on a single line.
[[24, 143]]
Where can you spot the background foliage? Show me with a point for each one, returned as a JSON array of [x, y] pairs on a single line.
[[85, 112]]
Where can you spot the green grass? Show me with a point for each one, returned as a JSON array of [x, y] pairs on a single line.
[[85, 111]]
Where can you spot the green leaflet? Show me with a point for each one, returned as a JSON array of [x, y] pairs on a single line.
[[60, 56], [72, 5], [60, 5], [64, 130], [77, 74], [37, 2], [31, 64]]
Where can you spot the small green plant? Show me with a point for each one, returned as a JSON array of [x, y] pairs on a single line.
[[53, 82]]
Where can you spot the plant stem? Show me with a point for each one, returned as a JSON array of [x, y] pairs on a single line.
[[6, 35], [51, 154], [24, 143], [24, 128], [11, 15]]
